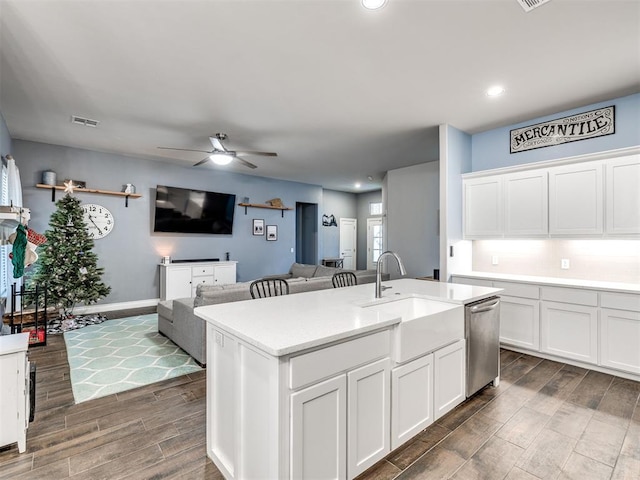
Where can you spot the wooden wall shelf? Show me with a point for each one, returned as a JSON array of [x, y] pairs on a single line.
[[261, 205], [53, 189]]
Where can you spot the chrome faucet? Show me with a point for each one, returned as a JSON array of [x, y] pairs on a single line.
[[379, 287]]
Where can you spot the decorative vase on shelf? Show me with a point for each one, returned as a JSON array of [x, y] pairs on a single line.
[[129, 188], [49, 177]]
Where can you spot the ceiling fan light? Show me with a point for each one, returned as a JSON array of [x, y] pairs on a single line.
[[221, 158], [373, 4]]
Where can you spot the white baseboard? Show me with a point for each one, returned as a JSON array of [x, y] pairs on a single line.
[[110, 307]]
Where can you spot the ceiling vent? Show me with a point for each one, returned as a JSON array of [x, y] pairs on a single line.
[[529, 5], [87, 122]]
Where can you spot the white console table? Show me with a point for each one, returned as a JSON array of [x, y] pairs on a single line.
[[14, 394], [180, 279]]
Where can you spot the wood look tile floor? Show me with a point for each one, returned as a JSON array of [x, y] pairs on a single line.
[[545, 420]]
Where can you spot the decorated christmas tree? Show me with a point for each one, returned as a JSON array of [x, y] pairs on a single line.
[[67, 264]]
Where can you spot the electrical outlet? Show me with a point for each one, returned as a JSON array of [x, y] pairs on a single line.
[[494, 260], [291, 249], [565, 264], [220, 339]]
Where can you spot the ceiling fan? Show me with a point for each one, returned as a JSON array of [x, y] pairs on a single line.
[[220, 155]]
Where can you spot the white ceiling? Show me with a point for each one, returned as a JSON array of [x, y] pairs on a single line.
[[338, 91]]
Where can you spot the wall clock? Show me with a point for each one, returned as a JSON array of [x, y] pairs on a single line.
[[99, 220]]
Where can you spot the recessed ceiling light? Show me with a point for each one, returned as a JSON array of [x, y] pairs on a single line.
[[495, 91], [373, 4], [357, 185]]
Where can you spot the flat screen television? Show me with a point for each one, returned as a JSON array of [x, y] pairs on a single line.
[[182, 210]]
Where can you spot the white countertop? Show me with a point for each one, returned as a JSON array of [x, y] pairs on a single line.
[[556, 282], [291, 323]]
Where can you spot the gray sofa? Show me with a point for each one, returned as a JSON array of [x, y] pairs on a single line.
[[177, 321]]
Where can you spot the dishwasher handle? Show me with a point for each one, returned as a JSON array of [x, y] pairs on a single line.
[[485, 307]]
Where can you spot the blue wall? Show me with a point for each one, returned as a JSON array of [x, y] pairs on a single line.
[[131, 253], [491, 149]]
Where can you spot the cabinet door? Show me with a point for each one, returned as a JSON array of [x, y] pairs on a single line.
[[576, 199], [623, 195], [570, 331], [319, 430], [520, 322], [449, 374], [483, 207], [175, 282], [368, 416], [526, 204], [225, 274], [411, 399], [620, 339]]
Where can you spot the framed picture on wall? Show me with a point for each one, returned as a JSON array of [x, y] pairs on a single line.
[[272, 233], [258, 226]]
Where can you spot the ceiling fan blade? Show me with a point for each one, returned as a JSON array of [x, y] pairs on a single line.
[[245, 163], [204, 160], [183, 149], [264, 154], [217, 145]]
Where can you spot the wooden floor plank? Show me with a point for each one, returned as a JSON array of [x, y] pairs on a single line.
[[557, 417]]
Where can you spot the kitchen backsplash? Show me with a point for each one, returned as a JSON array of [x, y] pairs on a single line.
[[605, 260]]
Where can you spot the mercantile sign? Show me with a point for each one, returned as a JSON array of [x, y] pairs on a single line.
[[591, 124]]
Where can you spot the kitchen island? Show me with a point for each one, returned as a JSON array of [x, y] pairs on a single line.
[[326, 383]]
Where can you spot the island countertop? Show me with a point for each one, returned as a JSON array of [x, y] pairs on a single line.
[[291, 323]]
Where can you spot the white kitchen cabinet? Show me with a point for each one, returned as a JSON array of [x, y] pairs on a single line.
[[620, 331], [411, 399], [622, 195], [526, 204], [483, 208], [519, 314], [569, 323], [180, 280], [319, 430], [368, 416], [520, 322], [576, 199], [449, 378], [14, 394]]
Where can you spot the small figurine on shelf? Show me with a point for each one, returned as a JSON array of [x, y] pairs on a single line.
[[129, 188]]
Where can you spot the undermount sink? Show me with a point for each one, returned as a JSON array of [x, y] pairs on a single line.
[[425, 325]]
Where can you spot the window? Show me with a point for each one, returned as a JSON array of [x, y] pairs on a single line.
[[4, 249], [375, 208]]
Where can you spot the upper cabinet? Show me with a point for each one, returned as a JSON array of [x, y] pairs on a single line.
[[526, 204], [622, 195], [593, 198], [575, 199], [483, 207]]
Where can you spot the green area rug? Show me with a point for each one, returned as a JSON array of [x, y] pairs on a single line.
[[122, 354]]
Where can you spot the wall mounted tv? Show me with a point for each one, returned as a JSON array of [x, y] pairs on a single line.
[[182, 210]]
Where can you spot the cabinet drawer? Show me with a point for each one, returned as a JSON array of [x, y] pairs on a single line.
[[518, 290], [202, 270], [313, 366], [570, 295], [620, 301]]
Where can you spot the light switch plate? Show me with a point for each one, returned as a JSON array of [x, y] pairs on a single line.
[[565, 264], [494, 260]]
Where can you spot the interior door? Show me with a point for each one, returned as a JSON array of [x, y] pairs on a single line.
[[348, 239], [375, 242]]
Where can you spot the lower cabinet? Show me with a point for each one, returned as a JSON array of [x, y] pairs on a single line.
[[620, 339], [340, 427], [319, 430], [411, 399], [14, 394], [368, 410], [570, 331], [449, 378], [520, 322]]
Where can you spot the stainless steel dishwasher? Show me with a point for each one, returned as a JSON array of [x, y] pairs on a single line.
[[482, 332]]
